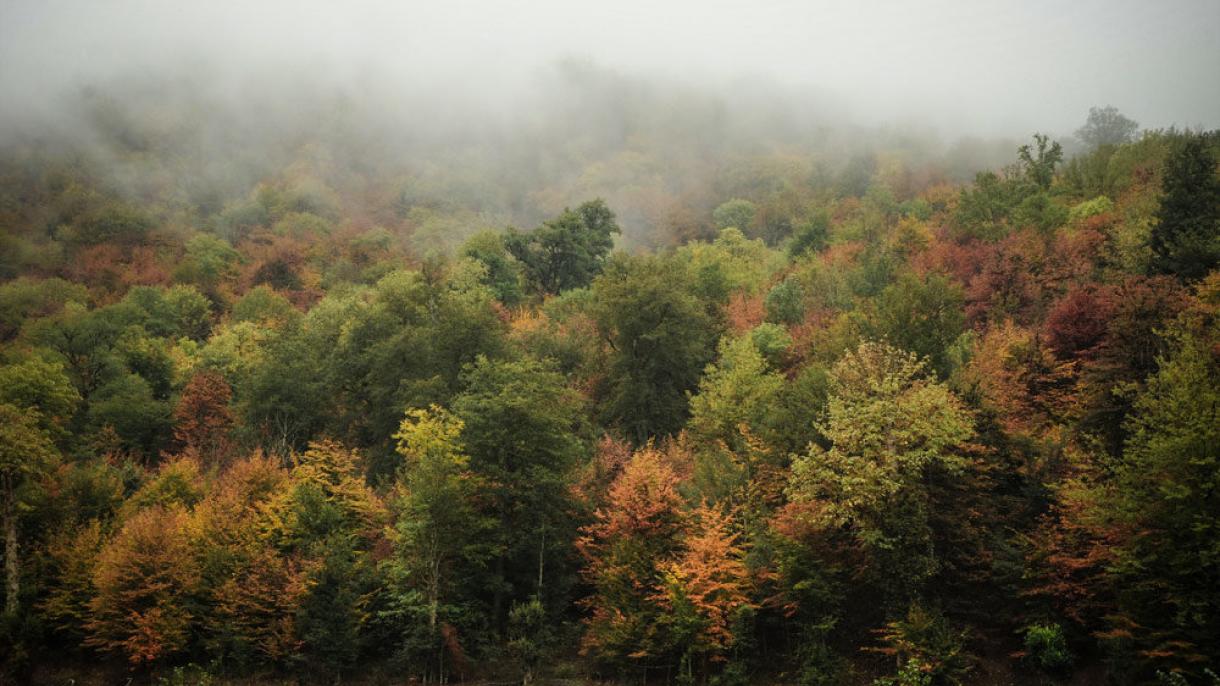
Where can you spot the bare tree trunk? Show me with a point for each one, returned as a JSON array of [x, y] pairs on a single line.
[[541, 561], [497, 600], [434, 594], [12, 572]]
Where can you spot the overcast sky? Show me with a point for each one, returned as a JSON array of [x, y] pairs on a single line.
[[972, 66]]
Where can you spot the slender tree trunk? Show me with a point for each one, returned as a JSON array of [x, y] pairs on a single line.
[[541, 561], [497, 601], [433, 596], [12, 572], [433, 606]]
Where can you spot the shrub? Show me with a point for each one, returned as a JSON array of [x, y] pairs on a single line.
[[1046, 647]]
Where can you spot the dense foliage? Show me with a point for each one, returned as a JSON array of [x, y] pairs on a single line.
[[843, 427]]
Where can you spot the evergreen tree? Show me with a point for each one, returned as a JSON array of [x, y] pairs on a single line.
[[1186, 237]]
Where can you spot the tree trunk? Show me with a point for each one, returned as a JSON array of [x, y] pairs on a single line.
[[497, 601], [433, 607], [541, 561], [12, 572]]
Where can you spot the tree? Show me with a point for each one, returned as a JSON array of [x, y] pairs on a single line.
[[202, 420], [738, 390], [284, 400], [1106, 126], [440, 536], [333, 520], [111, 222], [503, 274], [26, 452], [250, 589], [736, 213], [1167, 496], [129, 407], [888, 426], [706, 587], [661, 336], [1039, 165], [922, 315], [24, 299], [42, 386], [1077, 323], [262, 305], [1128, 352], [1185, 239], [402, 344], [209, 262], [71, 556], [530, 635], [928, 650], [568, 251], [624, 550], [146, 578], [785, 302], [811, 236], [169, 313], [252, 613], [984, 208], [522, 428]]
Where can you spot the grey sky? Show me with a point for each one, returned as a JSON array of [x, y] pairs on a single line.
[[975, 66]]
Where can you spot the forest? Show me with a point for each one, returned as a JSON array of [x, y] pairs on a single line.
[[653, 391]]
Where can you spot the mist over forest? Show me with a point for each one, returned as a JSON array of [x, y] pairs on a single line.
[[672, 344]]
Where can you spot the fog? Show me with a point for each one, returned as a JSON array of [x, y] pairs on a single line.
[[985, 68], [514, 109]]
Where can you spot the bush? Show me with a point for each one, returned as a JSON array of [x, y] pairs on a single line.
[[1046, 647], [913, 673], [930, 650]]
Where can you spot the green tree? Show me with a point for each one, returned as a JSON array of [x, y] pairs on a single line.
[[888, 426], [785, 303], [1106, 126], [522, 430], [333, 519], [283, 398], [811, 236], [568, 251], [439, 535], [1168, 495], [25, 299], [262, 305], [209, 263], [503, 274], [42, 386], [530, 636], [26, 453], [739, 389], [1038, 161], [736, 213], [661, 336], [923, 315], [129, 407], [1185, 239], [110, 222], [402, 344]]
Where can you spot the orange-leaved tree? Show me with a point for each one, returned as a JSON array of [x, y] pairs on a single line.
[[625, 549], [202, 419], [146, 578], [705, 591]]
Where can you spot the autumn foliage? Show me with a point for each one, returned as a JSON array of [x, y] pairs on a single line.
[[859, 421]]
